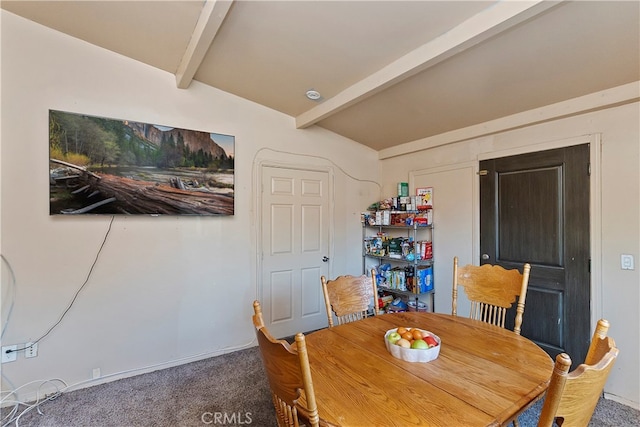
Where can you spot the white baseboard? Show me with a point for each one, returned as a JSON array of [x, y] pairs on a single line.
[[634, 405], [47, 387]]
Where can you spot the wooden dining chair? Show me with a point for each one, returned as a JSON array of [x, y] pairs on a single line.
[[349, 298], [572, 397], [492, 290], [289, 375]]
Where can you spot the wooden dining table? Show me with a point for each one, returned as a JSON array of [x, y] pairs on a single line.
[[484, 375]]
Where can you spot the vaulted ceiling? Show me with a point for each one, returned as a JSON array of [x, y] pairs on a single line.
[[388, 72]]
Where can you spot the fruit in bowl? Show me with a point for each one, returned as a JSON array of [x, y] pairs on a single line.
[[412, 344]]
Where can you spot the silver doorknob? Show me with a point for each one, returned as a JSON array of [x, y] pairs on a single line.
[[485, 256], [325, 259]]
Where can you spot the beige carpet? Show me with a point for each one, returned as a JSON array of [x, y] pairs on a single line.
[[233, 384]]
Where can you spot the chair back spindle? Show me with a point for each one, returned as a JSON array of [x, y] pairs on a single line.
[[289, 375], [492, 290], [349, 298], [572, 396]]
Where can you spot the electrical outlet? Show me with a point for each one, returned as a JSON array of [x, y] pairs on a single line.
[[96, 373], [9, 357], [30, 349]]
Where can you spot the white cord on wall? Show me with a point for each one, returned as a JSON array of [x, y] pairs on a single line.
[[11, 296]]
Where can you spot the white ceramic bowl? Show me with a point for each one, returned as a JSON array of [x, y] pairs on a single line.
[[413, 354]]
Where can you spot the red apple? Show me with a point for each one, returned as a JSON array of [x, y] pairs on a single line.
[[431, 341]]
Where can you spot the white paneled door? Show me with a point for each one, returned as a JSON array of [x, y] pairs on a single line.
[[295, 249]]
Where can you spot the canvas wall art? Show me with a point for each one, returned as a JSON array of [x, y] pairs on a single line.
[[108, 166]]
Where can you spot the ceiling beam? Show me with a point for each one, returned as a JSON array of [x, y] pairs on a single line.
[[608, 98], [480, 27], [209, 23]]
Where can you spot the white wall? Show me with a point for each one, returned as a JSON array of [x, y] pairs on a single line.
[[165, 290], [617, 292]]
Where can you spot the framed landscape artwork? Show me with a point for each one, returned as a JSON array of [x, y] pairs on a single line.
[[107, 166]]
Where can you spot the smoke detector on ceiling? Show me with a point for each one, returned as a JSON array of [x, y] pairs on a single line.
[[313, 95]]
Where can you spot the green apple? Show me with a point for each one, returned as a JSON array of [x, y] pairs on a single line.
[[420, 344], [393, 337]]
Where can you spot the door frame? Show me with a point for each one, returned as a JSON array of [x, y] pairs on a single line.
[[257, 212], [595, 204], [445, 263]]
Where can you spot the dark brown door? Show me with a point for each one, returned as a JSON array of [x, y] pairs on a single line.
[[535, 208]]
